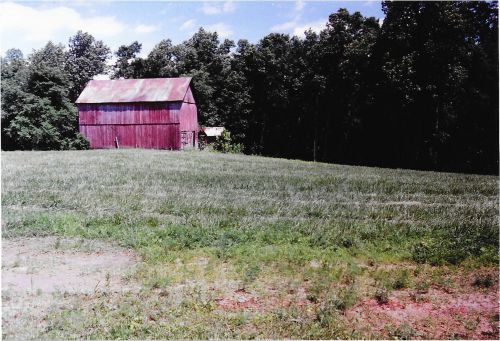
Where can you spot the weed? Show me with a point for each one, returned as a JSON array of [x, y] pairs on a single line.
[[153, 222], [382, 295], [251, 274], [483, 281], [314, 292], [158, 281], [403, 332], [340, 299], [418, 296], [401, 281]]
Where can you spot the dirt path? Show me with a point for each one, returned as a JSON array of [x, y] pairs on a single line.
[[39, 274]]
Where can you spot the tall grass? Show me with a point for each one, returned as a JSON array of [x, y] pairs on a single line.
[[258, 222], [160, 201]]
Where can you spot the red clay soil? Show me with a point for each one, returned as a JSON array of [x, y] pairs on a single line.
[[435, 315], [243, 300], [464, 312]]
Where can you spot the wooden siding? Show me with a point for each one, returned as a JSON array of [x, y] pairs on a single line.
[[151, 136], [135, 125], [188, 119], [188, 98], [156, 125], [129, 113]]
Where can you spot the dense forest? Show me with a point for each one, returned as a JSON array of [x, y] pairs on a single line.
[[419, 90]]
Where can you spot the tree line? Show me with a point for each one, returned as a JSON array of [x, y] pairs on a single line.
[[419, 90]]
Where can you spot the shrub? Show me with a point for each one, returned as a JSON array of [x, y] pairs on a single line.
[[79, 142], [225, 144]]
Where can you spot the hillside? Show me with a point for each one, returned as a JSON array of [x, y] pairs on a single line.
[[263, 247]]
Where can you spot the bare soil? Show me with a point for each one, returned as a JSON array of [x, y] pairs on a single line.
[[466, 312], [40, 274]]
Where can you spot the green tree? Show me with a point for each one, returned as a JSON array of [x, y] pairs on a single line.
[[128, 64], [37, 113], [161, 61], [430, 56], [14, 77], [86, 58]]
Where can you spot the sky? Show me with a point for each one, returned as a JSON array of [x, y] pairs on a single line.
[[29, 25]]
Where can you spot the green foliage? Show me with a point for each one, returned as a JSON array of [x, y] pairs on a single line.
[[36, 112], [224, 144], [335, 303], [453, 243], [403, 332], [128, 65], [86, 58], [323, 97], [77, 143], [251, 274], [418, 91], [401, 281]]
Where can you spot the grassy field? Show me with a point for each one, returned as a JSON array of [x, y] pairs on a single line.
[[299, 245]]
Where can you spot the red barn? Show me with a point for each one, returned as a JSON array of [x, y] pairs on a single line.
[[157, 113]]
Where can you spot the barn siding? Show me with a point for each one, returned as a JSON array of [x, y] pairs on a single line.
[[159, 125], [129, 113], [136, 125], [188, 119], [188, 98], [154, 136]]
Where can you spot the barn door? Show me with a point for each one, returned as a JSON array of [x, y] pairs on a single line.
[[187, 139], [184, 139]]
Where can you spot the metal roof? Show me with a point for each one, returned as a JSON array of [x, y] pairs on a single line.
[[213, 131], [135, 90]]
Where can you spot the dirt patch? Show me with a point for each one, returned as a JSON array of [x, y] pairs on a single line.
[[39, 274], [269, 300], [434, 314]]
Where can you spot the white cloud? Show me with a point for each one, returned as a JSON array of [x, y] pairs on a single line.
[[294, 25], [210, 9], [228, 7], [298, 29], [315, 26], [142, 29], [223, 30], [147, 46], [286, 26], [213, 8], [299, 5], [23, 23], [188, 25]]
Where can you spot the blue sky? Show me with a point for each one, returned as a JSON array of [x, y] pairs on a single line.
[[28, 24]]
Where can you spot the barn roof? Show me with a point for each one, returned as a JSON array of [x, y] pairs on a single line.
[[135, 90]]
